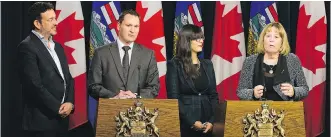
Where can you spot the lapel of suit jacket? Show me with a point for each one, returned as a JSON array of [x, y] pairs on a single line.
[[134, 59], [61, 57], [117, 59], [191, 84], [41, 47], [187, 79], [204, 65]]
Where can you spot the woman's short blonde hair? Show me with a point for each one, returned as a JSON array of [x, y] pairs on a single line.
[[284, 48]]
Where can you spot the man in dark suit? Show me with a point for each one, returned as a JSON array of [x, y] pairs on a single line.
[[47, 85], [123, 69]]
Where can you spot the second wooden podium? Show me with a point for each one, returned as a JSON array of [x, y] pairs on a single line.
[[262, 119]]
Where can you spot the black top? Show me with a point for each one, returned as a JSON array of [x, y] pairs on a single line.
[[271, 94], [201, 82], [194, 104]]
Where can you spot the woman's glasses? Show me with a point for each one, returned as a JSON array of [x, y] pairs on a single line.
[[200, 39]]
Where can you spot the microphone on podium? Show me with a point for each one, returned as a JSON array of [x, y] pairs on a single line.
[[138, 90], [264, 95]]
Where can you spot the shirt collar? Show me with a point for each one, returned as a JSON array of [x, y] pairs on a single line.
[[121, 44], [40, 36]]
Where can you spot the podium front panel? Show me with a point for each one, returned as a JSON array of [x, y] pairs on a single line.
[[167, 121], [293, 122]]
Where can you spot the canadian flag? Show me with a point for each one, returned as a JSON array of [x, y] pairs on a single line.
[[311, 49], [70, 34], [151, 35], [228, 53]]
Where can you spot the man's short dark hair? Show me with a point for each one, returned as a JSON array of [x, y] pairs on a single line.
[[130, 11], [36, 9]]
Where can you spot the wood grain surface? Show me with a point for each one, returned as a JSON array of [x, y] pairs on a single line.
[[167, 121], [293, 122]]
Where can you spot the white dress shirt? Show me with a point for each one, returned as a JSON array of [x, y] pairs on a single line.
[[50, 46], [122, 52]]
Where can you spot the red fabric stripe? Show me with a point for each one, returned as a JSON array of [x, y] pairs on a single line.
[[146, 37], [79, 117], [163, 89], [314, 111], [194, 16], [273, 13], [306, 45], [113, 24], [226, 48], [228, 87]]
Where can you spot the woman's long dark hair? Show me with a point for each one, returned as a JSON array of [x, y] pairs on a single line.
[[188, 33]]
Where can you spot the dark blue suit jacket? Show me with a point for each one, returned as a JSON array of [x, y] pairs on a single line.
[[42, 85]]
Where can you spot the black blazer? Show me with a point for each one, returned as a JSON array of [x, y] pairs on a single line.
[[42, 85], [189, 100]]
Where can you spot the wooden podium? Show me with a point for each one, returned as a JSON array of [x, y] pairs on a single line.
[[167, 120], [235, 111]]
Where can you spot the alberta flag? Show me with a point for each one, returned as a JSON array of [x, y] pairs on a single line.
[[262, 13], [103, 30], [187, 12]]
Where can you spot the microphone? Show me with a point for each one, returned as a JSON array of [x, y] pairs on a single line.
[[138, 90], [264, 96]]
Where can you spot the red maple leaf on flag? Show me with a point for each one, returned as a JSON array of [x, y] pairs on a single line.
[[227, 27], [308, 39], [67, 30], [147, 33]]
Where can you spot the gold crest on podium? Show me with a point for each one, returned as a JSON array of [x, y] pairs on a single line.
[[137, 122], [264, 123]]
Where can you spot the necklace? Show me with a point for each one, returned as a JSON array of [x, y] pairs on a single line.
[[271, 71]]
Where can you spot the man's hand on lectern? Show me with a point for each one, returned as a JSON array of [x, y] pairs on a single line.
[[129, 94]]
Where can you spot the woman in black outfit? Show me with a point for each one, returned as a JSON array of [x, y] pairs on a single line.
[[192, 81]]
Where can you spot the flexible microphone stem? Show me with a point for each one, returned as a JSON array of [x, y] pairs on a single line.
[[138, 90], [263, 98]]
